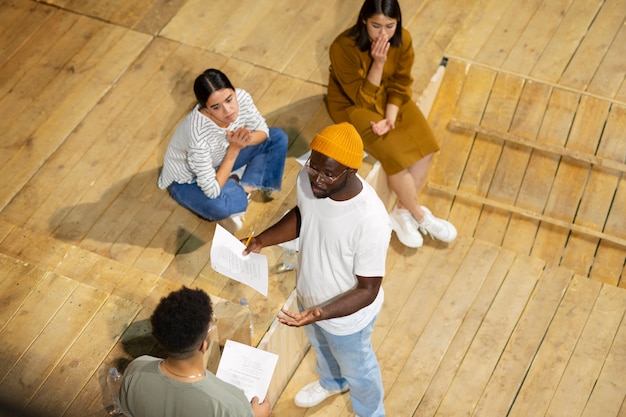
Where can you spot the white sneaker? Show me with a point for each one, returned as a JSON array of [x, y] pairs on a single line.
[[234, 223], [238, 220], [437, 228], [405, 226], [313, 394]]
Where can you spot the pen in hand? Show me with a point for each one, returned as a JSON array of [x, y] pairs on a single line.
[[249, 238]]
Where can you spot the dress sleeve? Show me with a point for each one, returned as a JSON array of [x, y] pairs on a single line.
[[350, 71], [399, 85]]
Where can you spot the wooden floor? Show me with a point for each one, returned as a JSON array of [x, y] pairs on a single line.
[[523, 315]]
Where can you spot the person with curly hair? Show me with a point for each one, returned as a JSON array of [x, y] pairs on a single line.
[[180, 385]]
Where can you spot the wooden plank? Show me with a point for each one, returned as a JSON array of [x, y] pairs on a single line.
[[610, 388], [598, 198], [512, 167], [18, 280], [621, 94], [118, 49], [293, 117], [118, 217], [456, 148], [610, 147], [396, 352], [535, 36], [557, 150], [133, 147], [120, 12], [193, 14], [110, 179], [402, 276], [560, 114], [441, 110], [161, 12], [556, 348], [155, 254], [302, 376], [125, 13], [426, 291], [432, 28], [566, 39], [26, 20], [84, 356], [606, 266], [611, 72], [589, 355], [33, 316], [193, 255], [294, 32], [593, 48], [571, 176], [520, 350], [485, 154], [506, 32], [18, 100], [606, 262], [13, 10], [31, 200], [290, 344], [29, 55], [25, 245], [459, 345], [476, 29], [64, 328], [260, 38], [310, 61], [491, 338]]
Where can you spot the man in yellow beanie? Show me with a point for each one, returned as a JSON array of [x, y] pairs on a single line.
[[344, 232]]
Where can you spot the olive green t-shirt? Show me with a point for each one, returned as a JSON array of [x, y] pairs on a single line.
[[147, 392]]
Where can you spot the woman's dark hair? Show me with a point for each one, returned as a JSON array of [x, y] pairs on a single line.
[[181, 321], [208, 82], [389, 8]]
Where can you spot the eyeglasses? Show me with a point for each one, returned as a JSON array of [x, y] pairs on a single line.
[[327, 179]]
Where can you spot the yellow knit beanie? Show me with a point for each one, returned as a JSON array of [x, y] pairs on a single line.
[[340, 142]]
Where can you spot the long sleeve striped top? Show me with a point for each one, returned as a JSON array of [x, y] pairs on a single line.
[[198, 146]]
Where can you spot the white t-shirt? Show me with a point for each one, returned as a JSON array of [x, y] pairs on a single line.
[[339, 240]]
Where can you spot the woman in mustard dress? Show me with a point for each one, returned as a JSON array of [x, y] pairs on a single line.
[[370, 87]]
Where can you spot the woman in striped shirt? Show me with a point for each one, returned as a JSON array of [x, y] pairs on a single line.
[[223, 133]]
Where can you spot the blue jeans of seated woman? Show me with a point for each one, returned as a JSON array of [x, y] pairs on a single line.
[[349, 360], [265, 164]]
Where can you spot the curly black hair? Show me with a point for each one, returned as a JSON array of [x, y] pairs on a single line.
[[181, 321]]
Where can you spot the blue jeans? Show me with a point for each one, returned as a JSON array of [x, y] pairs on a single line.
[[265, 164], [349, 360]]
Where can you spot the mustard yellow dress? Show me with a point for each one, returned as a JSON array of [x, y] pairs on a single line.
[[352, 98]]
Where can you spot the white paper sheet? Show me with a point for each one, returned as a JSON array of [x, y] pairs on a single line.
[[247, 368], [228, 260]]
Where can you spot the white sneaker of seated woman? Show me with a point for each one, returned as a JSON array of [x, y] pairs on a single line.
[[405, 226], [436, 228]]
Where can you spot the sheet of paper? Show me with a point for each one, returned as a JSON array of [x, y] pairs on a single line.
[[228, 260], [247, 368]]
